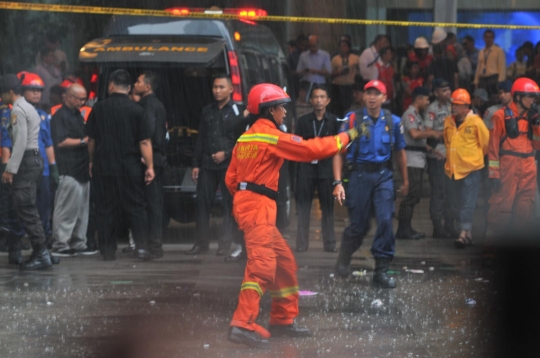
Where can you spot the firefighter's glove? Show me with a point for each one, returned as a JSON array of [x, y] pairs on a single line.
[[353, 134], [54, 177], [532, 115], [496, 184]]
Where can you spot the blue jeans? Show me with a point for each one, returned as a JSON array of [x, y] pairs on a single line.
[[463, 195], [365, 192]]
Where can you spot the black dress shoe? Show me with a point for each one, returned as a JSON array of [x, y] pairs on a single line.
[[291, 330], [143, 254], [343, 271], [420, 235], [157, 253], [330, 249], [128, 250], [301, 249], [408, 234], [222, 252], [240, 257], [250, 338], [196, 250]]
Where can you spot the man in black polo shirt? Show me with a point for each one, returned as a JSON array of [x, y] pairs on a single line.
[[317, 174], [118, 136], [72, 200], [145, 87], [215, 143]]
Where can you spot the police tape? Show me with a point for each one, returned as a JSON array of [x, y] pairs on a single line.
[[77, 9]]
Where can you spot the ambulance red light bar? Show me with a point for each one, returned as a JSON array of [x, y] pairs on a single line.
[[235, 76], [242, 12]]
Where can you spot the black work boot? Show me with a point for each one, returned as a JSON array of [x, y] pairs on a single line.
[[380, 277], [250, 338], [343, 265], [406, 232], [40, 259], [14, 250], [291, 330]]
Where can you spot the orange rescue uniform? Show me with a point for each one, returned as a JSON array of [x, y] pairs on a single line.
[[257, 158], [85, 111], [466, 146], [512, 161]]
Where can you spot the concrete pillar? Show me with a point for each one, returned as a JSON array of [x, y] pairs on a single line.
[[445, 11], [375, 11]]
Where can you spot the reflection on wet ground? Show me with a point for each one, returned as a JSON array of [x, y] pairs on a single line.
[[180, 306]]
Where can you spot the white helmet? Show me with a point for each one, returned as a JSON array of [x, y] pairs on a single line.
[[439, 35], [421, 43]]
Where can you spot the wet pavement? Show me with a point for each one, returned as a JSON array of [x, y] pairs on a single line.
[[180, 306]]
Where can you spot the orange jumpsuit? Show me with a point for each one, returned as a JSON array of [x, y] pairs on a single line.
[[257, 158], [512, 162]]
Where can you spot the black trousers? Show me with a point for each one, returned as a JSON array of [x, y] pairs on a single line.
[[24, 192], [305, 190], [114, 195], [439, 207], [406, 208], [154, 207], [208, 182], [92, 219]]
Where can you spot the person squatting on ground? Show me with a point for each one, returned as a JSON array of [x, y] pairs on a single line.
[[415, 135], [466, 138], [371, 182], [512, 171], [24, 169], [252, 179], [317, 173]]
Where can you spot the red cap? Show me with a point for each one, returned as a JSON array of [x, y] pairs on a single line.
[[378, 85], [71, 80], [30, 80]]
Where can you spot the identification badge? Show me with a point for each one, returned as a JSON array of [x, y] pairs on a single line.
[[314, 161]]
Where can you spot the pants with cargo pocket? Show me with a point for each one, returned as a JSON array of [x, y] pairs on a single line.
[[271, 265]]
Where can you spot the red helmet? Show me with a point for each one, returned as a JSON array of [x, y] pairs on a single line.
[[378, 85], [524, 86], [71, 80], [265, 95], [461, 96], [30, 80]]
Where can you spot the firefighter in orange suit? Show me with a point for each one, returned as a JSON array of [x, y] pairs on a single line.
[[512, 170], [252, 179]]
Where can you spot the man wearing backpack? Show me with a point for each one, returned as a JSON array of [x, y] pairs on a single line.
[[371, 182]]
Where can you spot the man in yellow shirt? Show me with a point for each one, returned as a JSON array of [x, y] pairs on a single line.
[[491, 67], [466, 138]]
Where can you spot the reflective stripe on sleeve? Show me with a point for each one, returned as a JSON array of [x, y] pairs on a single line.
[[339, 144], [494, 163], [252, 286], [259, 137]]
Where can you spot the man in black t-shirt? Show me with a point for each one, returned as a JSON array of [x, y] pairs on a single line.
[[72, 199], [443, 67], [118, 136]]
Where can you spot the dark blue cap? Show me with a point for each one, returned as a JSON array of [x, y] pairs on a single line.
[[420, 91], [505, 86], [440, 83]]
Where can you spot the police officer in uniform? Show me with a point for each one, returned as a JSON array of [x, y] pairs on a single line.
[[371, 182], [437, 112], [24, 168], [415, 139], [316, 174], [215, 143]]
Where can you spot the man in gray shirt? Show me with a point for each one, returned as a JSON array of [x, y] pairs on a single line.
[[314, 64], [23, 172], [415, 140], [439, 209]]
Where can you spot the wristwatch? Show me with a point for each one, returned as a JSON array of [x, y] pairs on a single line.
[[336, 182], [83, 142]]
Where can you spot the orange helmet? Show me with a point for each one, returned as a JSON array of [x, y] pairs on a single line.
[[525, 86], [266, 95], [30, 80], [71, 80], [461, 96]]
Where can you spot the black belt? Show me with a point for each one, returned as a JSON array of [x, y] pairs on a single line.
[[259, 189], [31, 152], [515, 154], [372, 167], [415, 149]]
